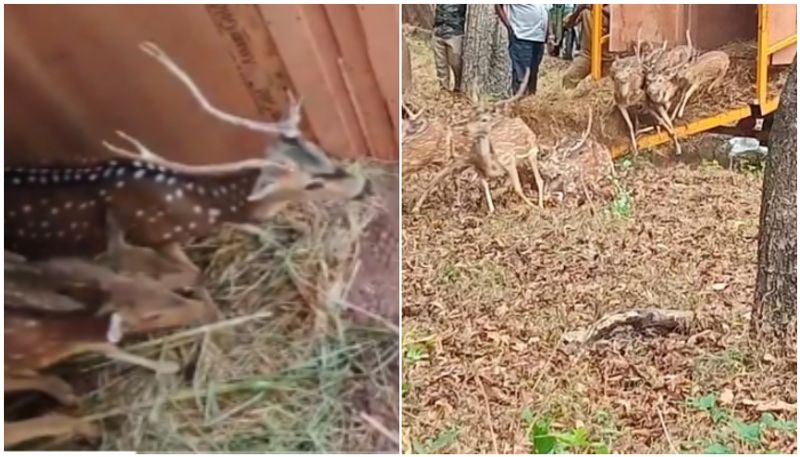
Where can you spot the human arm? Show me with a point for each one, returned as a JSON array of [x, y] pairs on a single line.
[[500, 10]]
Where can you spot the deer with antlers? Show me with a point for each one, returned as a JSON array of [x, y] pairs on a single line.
[[163, 204], [497, 143], [662, 86], [705, 72]]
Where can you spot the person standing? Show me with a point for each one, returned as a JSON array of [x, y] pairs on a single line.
[[527, 35], [582, 64], [448, 34]]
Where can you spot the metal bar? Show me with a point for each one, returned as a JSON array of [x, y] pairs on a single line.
[[784, 43], [597, 33], [770, 106], [762, 58], [692, 128]]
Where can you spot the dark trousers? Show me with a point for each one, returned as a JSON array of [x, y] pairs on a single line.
[[524, 54]]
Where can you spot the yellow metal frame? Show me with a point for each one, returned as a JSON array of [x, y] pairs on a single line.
[[765, 104]]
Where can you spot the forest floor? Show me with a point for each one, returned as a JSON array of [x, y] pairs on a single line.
[[488, 299]]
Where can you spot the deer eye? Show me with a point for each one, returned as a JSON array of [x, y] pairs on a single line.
[[314, 185]]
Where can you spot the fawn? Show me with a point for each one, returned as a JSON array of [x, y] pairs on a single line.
[[162, 204]]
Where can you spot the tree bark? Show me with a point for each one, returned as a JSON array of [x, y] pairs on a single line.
[[775, 306], [485, 61], [419, 15]]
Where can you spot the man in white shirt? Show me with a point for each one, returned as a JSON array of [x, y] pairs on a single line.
[[527, 34]]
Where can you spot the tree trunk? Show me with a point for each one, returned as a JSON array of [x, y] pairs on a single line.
[[775, 306], [485, 61], [419, 15]]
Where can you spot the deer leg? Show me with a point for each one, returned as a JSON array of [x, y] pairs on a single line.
[[115, 353], [49, 425], [537, 176], [685, 99], [513, 174], [487, 192], [175, 252], [627, 117], [663, 116], [51, 385]]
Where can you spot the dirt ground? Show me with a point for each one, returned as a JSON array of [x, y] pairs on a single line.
[[487, 300]]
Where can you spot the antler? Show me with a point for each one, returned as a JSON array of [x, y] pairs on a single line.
[[287, 127], [142, 152], [520, 91], [412, 116]]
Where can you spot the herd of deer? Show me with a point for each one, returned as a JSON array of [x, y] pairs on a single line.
[[662, 80], [94, 252], [493, 142]]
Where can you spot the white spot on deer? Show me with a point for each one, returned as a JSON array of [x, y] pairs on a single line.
[[151, 219], [92, 203], [17, 356], [137, 163], [31, 179], [55, 178], [120, 184], [189, 185], [12, 213], [198, 209], [139, 212], [16, 181], [47, 235], [30, 323], [60, 234], [26, 208], [85, 224], [177, 229], [120, 172], [168, 198], [213, 213], [139, 174], [160, 177], [54, 211], [223, 190], [201, 190], [44, 202], [20, 232], [103, 192], [192, 225], [178, 193], [42, 180], [167, 236], [73, 225], [45, 224], [82, 205], [107, 172], [68, 205], [171, 181]]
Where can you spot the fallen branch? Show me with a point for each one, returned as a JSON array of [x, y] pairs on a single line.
[[638, 319]]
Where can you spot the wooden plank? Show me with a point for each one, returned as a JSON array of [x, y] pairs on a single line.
[[75, 74], [306, 46], [782, 23], [383, 50], [250, 46], [361, 79], [658, 22]]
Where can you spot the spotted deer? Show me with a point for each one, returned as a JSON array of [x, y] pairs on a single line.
[[58, 308], [662, 85], [628, 74], [163, 204], [704, 73], [497, 142]]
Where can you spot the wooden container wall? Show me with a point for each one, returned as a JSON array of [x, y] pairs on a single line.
[[711, 25], [75, 74]]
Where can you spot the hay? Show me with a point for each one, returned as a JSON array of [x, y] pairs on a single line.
[[286, 370]]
